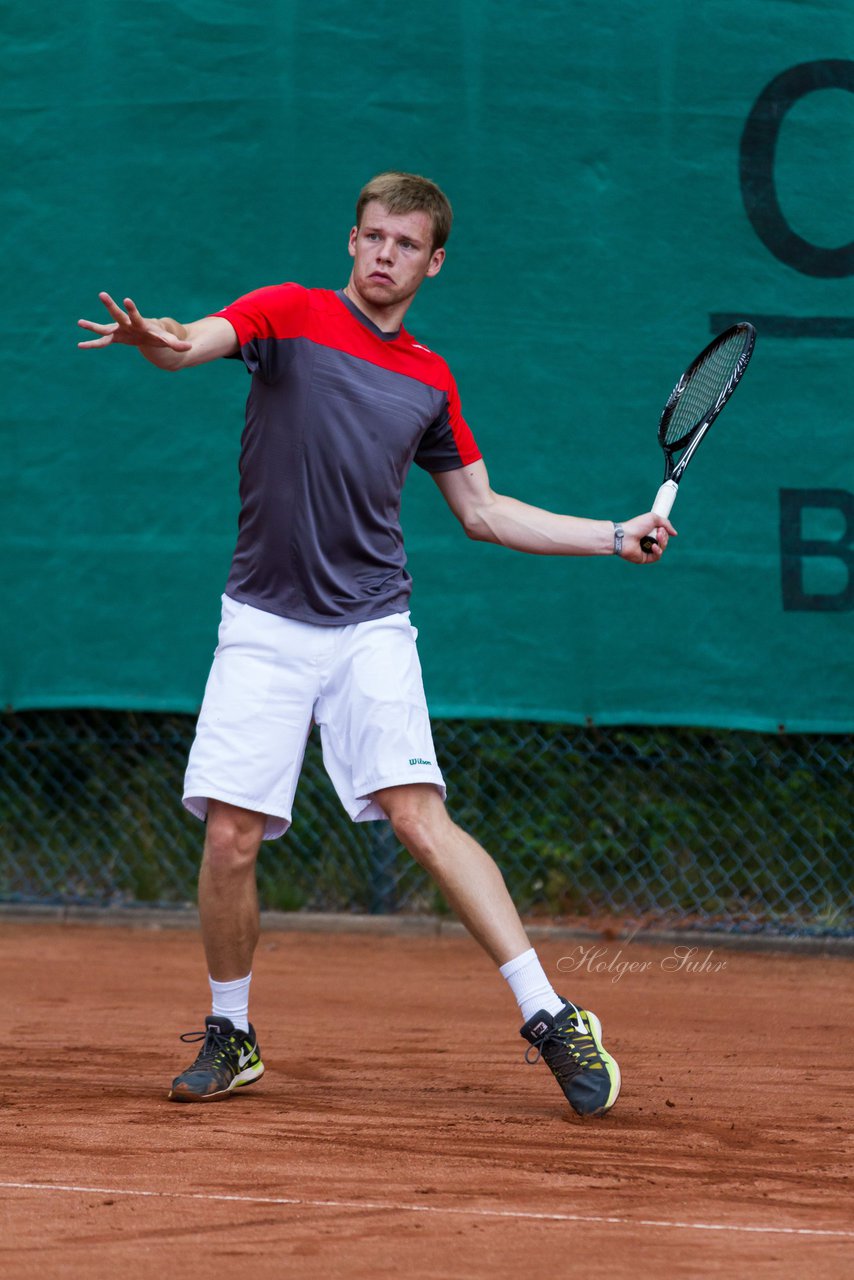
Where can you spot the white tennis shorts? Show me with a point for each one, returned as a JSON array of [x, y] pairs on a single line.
[[272, 676]]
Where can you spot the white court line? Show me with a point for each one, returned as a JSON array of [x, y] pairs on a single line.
[[516, 1214]]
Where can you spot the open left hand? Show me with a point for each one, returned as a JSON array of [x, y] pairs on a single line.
[[130, 329]]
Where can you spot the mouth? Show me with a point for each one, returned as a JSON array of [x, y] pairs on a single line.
[[380, 277]]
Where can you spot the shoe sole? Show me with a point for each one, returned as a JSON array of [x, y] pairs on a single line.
[[249, 1076], [614, 1074]]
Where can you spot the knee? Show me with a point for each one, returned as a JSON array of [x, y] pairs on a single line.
[[232, 838], [421, 832]]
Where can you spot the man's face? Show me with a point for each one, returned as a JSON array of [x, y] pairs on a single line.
[[392, 254]]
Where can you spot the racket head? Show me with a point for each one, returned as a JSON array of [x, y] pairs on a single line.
[[705, 386]]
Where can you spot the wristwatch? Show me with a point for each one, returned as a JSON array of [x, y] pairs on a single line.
[[619, 533]]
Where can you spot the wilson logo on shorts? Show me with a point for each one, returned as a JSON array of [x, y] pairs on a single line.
[[418, 760]]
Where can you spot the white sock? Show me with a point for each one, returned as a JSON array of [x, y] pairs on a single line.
[[530, 986], [231, 1000]]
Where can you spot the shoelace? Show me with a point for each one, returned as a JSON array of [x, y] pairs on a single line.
[[565, 1038], [215, 1044]]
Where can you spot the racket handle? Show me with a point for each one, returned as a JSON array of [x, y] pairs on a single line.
[[662, 506]]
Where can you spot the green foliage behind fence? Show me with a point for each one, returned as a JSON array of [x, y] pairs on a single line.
[[668, 826]]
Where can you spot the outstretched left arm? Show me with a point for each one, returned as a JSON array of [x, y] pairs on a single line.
[[487, 516]]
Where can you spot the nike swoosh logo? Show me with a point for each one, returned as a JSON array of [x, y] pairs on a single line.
[[245, 1057]]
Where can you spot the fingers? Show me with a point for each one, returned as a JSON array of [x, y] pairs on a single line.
[[153, 333], [113, 307], [97, 328], [128, 320], [653, 529], [130, 328], [661, 534], [96, 342], [105, 330]]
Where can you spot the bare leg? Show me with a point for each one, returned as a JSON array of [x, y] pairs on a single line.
[[466, 874], [228, 893], [474, 887]]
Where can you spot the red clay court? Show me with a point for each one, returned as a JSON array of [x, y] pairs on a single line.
[[398, 1131]]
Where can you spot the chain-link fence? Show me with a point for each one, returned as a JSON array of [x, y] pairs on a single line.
[[676, 826]]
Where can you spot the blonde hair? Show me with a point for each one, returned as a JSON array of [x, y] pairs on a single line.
[[409, 193]]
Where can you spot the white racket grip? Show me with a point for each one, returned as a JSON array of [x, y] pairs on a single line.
[[665, 498]]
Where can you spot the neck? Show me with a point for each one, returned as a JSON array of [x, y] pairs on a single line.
[[388, 319]]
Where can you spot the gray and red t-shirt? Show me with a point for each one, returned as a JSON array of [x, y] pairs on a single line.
[[336, 414]]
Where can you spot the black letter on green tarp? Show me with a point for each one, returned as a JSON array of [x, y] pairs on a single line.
[[758, 148], [794, 549]]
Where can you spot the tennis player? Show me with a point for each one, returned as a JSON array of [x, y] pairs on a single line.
[[315, 623]]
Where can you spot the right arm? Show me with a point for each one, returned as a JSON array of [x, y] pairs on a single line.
[[166, 343]]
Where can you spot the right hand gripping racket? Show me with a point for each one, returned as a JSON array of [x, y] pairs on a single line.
[[694, 403]]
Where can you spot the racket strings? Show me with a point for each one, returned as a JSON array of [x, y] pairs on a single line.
[[704, 388]]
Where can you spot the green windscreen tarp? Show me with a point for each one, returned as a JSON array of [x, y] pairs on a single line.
[[626, 180]]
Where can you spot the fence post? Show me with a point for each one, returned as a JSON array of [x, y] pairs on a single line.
[[383, 854]]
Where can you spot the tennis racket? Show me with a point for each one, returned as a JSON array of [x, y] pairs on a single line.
[[694, 403]]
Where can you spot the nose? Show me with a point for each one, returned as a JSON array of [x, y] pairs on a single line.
[[385, 252]]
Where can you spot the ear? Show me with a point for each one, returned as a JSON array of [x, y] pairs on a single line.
[[351, 247], [436, 260]]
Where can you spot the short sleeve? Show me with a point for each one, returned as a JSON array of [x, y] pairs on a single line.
[[447, 444], [264, 318]]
